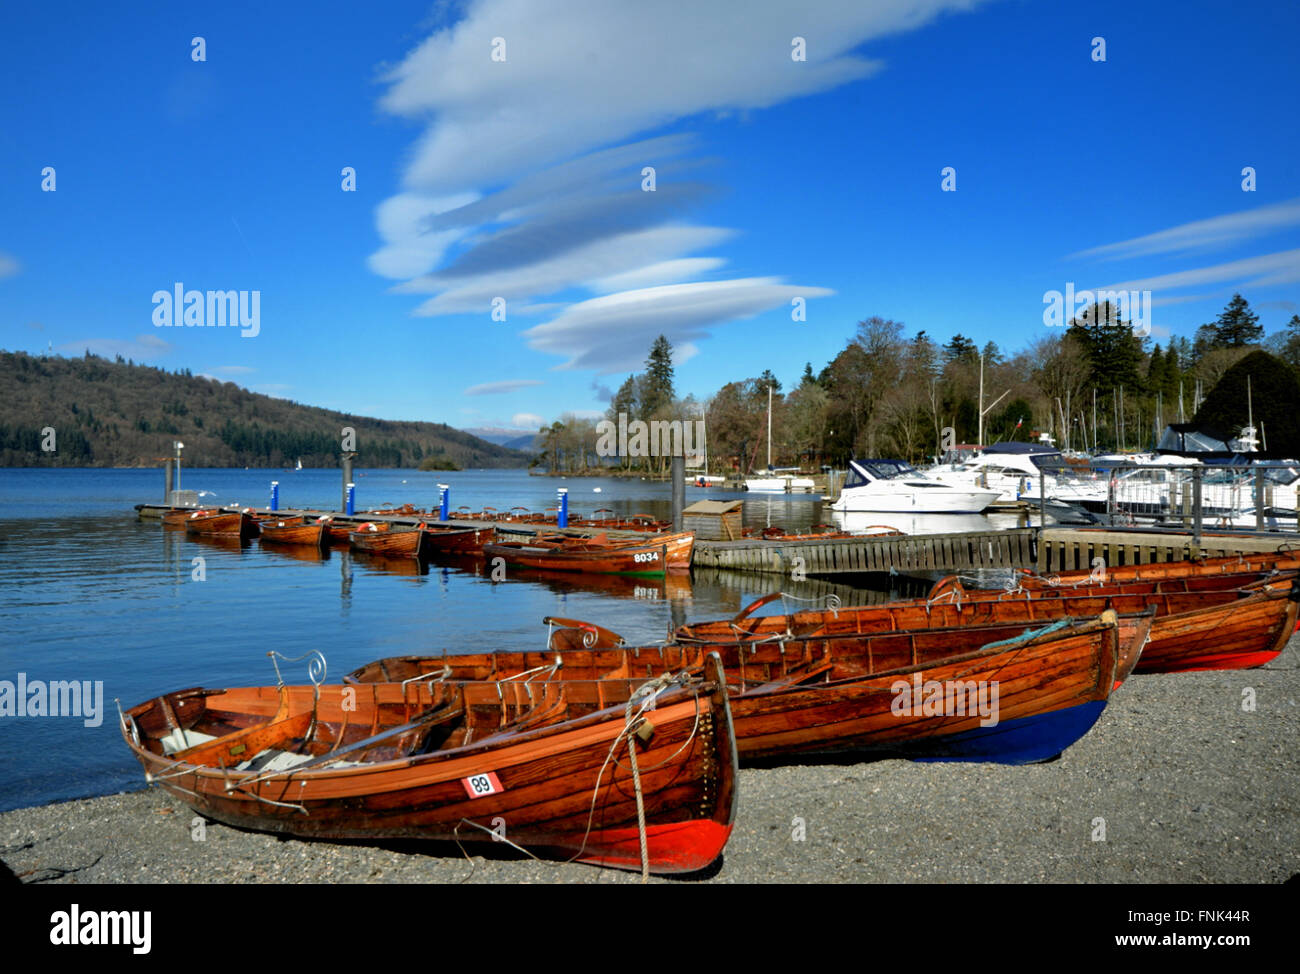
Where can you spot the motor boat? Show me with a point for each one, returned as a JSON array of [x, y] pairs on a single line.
[[892, 485], [1016, 472]]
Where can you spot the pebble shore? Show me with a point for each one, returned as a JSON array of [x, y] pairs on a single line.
[[1179, 782]]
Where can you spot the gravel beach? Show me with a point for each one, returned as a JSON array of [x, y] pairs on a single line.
[[1179, 782]]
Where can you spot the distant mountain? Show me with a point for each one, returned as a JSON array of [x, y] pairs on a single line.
[[112, 414], [512, 439]]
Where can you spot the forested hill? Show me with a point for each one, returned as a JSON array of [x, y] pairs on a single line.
[[112, 414]]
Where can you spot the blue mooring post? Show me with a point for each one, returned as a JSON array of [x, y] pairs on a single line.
[[275, 495], [444, 498], [564, 507], [351, 507]]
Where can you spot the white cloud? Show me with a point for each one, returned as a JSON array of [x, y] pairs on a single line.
[[408, 249], [528, 421], [593, 72], [548, 275], [553, 198], [1279, 268], [496, 388], [1215, 232], [611, 333], [143, 347], [8, 266]]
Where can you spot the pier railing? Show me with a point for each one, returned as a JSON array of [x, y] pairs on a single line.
[[1204, 497]]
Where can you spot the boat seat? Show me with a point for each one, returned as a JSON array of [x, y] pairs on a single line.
[[795, 678], [181, 739]]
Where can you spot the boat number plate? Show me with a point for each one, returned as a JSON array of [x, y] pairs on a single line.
[[645, 556], [478, 785]]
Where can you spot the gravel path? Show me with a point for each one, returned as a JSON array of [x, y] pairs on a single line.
[[1187, 785]]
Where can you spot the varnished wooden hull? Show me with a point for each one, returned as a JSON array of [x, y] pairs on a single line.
[[1233, 564], [394, 543], [840, 694], [223, 525], [657, 557], [314, 535], [177, 517], [548, 786], [1195, 628], [454, 541]]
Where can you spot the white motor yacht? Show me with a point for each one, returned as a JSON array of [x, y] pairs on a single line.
[[1016, 470], [892, 485]]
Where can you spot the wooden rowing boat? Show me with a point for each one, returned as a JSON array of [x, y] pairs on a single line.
[[443, 539], [549, 767], [1277, 561], [177, 516], [1235, 626], [227, 524], [390, 542], [1049, 684], [296, 531], [598, 555]]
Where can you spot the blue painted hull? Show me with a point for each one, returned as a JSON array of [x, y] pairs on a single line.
[[1024, 740]]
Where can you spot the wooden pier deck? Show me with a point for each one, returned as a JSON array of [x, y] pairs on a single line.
[[1043, 549], [965, 551], [1069, 549]]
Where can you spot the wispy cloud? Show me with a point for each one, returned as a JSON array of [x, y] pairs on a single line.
[[529, 421], [1279, 268], [8, 266], [497, 388], [528, 180], [1217, 232], [232, 370], [142, 347], [611, 333]]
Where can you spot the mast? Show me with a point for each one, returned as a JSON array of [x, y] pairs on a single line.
[[1094, 419], [704, 426], [769, 428]]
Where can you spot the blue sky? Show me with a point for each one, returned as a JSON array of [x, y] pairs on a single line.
[[523, 179]]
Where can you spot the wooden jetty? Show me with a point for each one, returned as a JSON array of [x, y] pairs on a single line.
[[1066, 549], [1042, 549], [962, 551]]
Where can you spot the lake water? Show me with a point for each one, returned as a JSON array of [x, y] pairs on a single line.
[[88, 592]]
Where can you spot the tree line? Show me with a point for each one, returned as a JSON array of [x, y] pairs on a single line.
[[1094, 384], [107, 413]]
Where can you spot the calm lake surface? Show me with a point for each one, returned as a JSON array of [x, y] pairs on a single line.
[[88, 592]]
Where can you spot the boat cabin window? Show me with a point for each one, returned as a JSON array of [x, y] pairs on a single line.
[[879, 470]]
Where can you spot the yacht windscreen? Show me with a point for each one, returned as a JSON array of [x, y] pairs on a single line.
[[882, 470]]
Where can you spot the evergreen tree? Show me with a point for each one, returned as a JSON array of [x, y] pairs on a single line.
[[1274, 399], [1237, 325], [960, 349], [768, 381], [657, 389]]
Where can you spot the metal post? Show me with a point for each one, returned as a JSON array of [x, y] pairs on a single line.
[[275, 495], [1196, 507], [679, 490], [1259, 498], [563, 518], [347, 477], [169, 473], [1110, 497], [350, 499], [1042, 499], [444, 498]]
